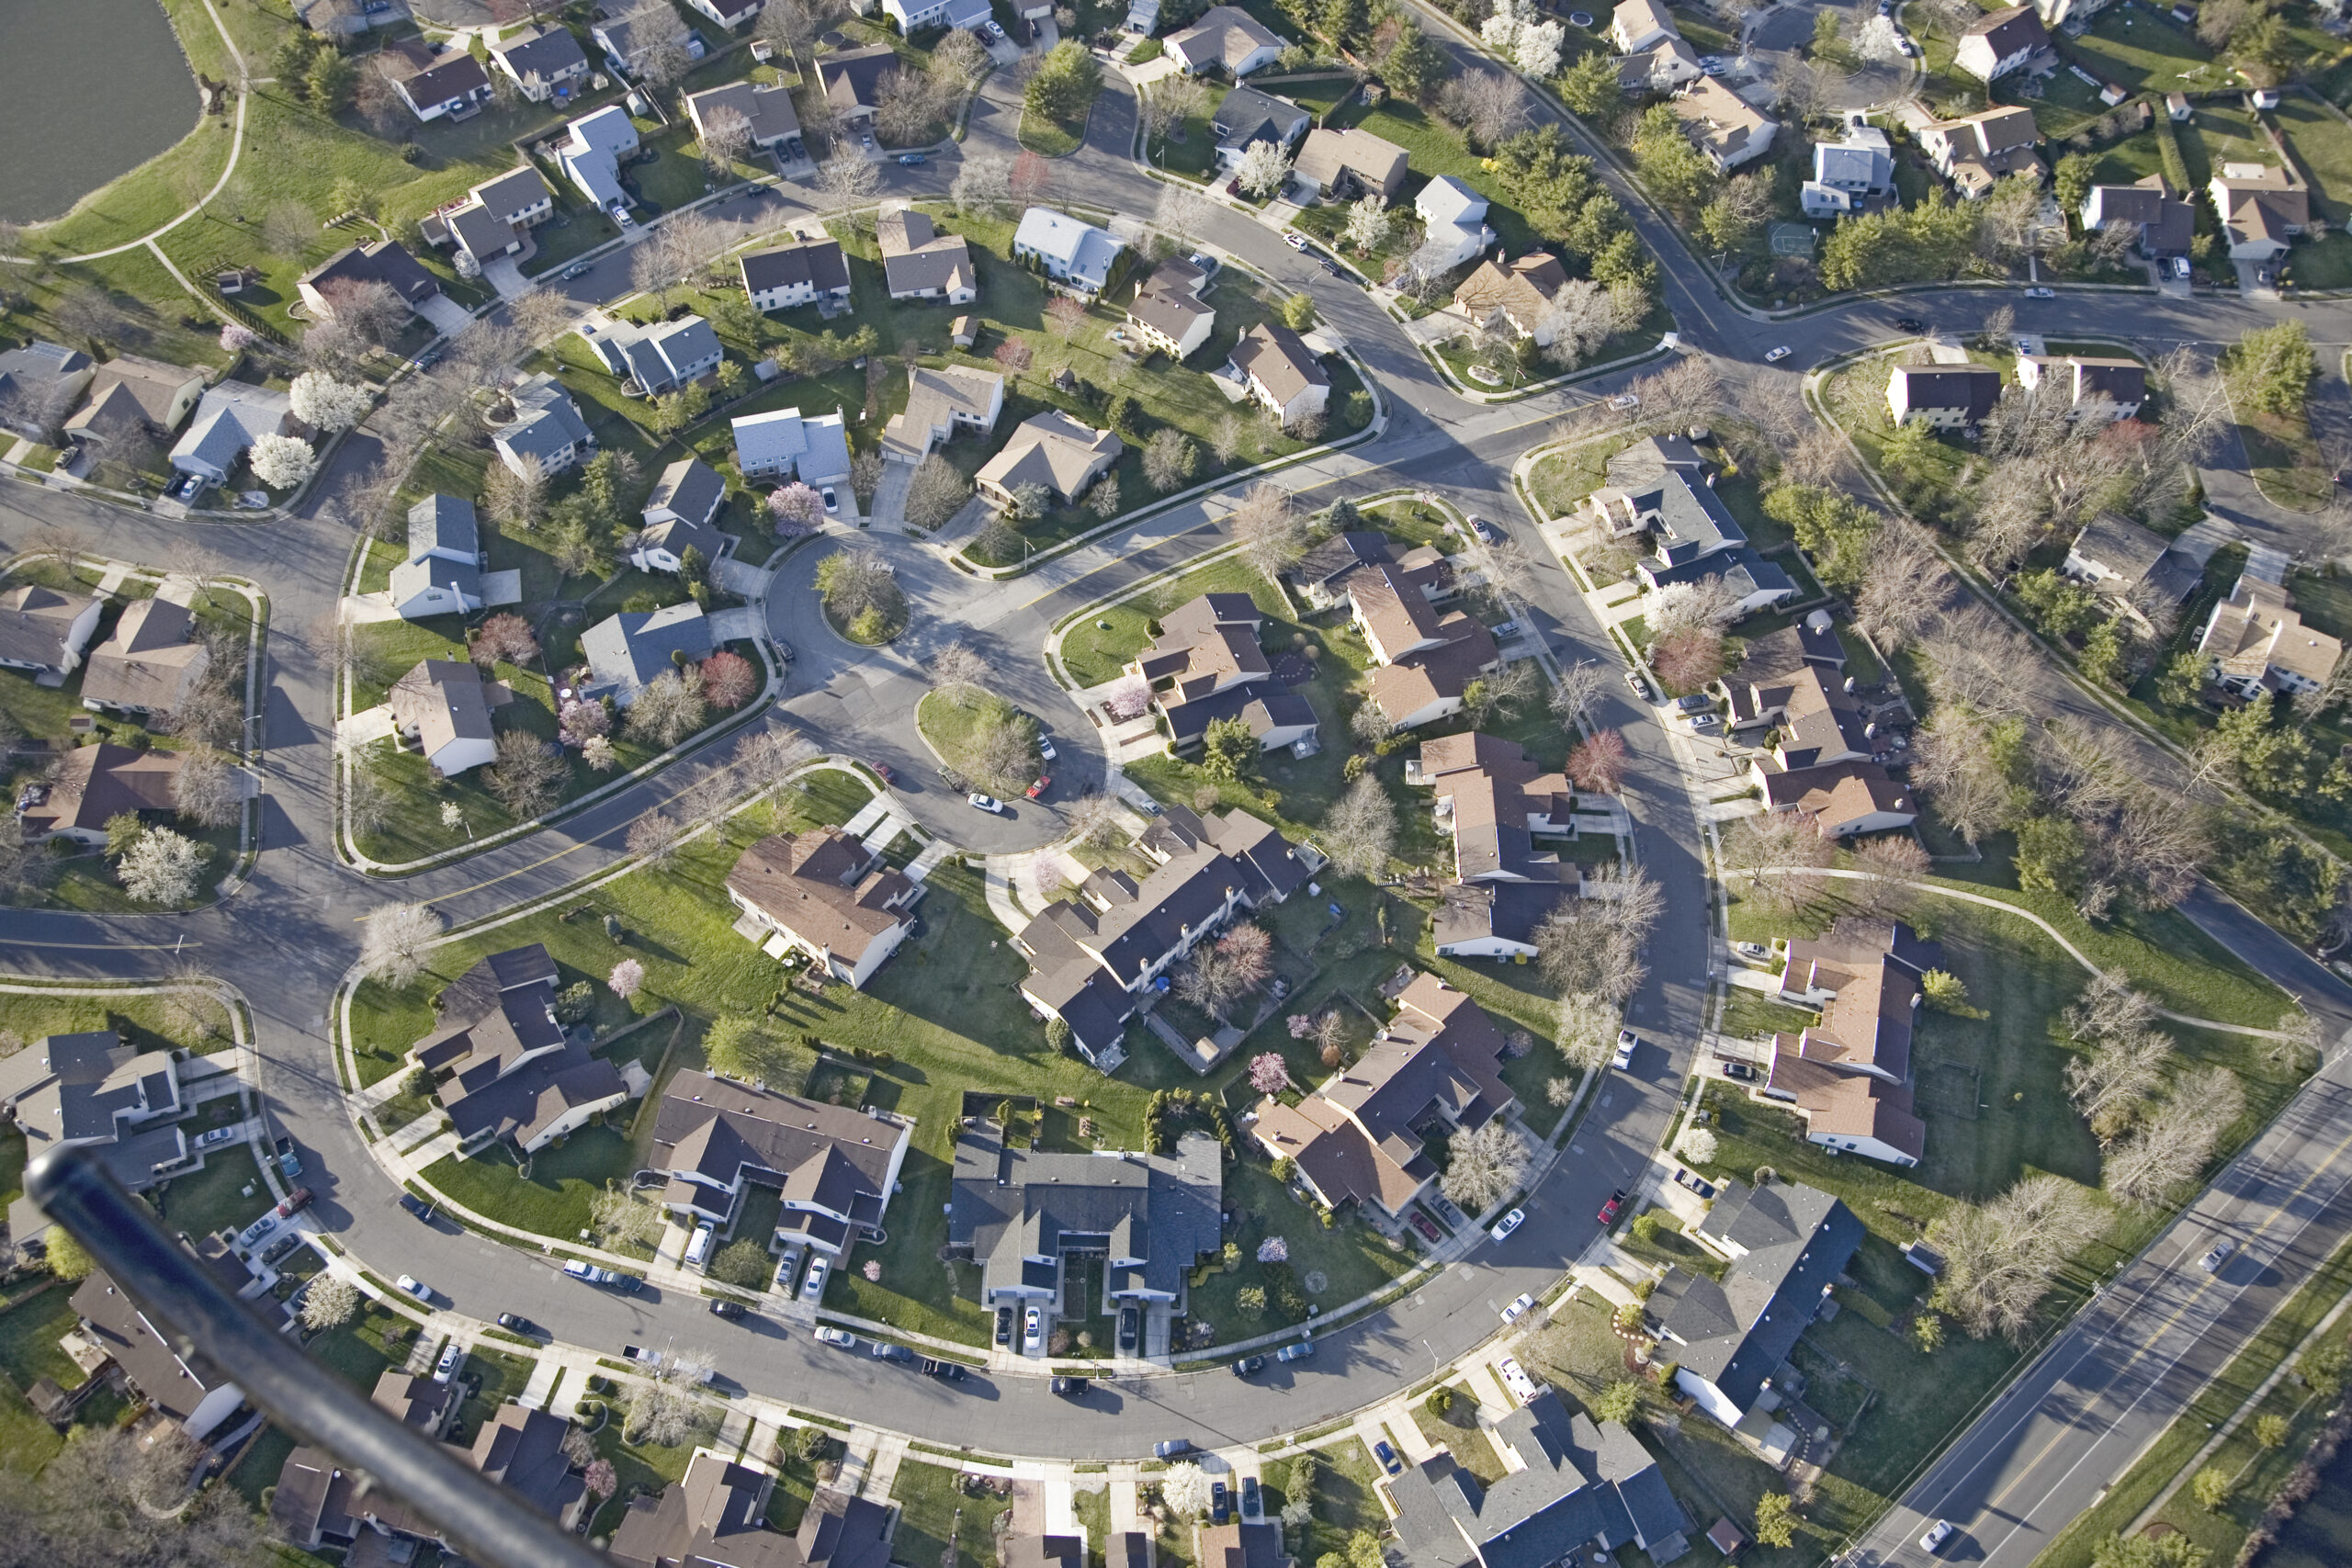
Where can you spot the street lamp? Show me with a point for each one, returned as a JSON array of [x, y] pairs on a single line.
[[1434, 1366]]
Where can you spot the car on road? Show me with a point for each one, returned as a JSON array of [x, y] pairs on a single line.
[[1697, 1183], [1251, 1507], [911, 160], [1071, 1388], [1515, 1379], [1773, 357], [988, 803], [1639, 687], [575, 272], [589, 1274], [1743, 1071], [1330, 266], [515, 1323], [1129, 1323], [1004, 1326], [1045, 747], [839, 1339], [1045, 781], [1626, 1041], [1220, 1503], [1937, 1533], [1508, 1223], [832, 501], [1032, 1329], [1486, 532], [782, 649], [1172, 1448], [1520, 1303], [888, 1352], [1387, 1458], [2041, 294], [1427, 1228], [1910, 324], [1625, 401], [1302, 1351], [289, 1164], [945, 1371], [1609, 1209], [415, 1287], [2218, 1254], [1296, 242], [1249, 1366], [296, 1202], [882, 771], [814, 1287]]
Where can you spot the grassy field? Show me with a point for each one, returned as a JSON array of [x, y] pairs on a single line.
[[145, 1022], [2142, 51]]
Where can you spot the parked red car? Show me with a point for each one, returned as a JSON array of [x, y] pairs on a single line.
[[1034, 790], [882, 770], [296, 1202], [1609, 1209]]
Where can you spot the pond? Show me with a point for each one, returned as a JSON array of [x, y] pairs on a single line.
[[89, 90]]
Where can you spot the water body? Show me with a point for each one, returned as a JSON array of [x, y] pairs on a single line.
[[89, 90]]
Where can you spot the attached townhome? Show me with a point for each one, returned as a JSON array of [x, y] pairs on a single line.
[[1077, 256], [1729, 129], [1453, 219], [495, 219], [2263, 210], [1495, 806], [185, 1388], [825, 896], [783, 277], [1280, 373], [1206, 665], [440, 708], [92, 1091], [1821, 759], [728, 13], [681, 515], [1848, 1076], [320, 1503], [718, 1512], [1976, 151], [442, 575], [766, 113], [504, 1070], [149, 665], [2133, 566], [628, 652], [544, 60], [2000, 42], [833, 1168], [1567, 1482], [1853, 174], [437, 84], [913, 16], [312, 1505], [1785, 1244], [2100, 390], [1322, 573], [1426, 660], [1225, 38], [44, 631], [1248, 117], [2256, 641], [1361, 1137], [590, 155], [1167, 313], [938, 402], [1661, 68], [1095, 959], [1345, 165], [1942, 397], [783, 444], [546, 429], [1060, 455], [657, 356], [921, 263]]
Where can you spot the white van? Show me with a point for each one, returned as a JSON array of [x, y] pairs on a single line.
[[698, 1250]]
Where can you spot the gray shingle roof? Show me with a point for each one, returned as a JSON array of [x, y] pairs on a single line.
[[633, 648], [1735, 1332]]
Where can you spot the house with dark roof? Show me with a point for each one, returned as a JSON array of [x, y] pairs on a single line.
[[1321, 575], [2000, 42], [825, 894], [1274, 714], [1496, 805], [135, 400], [188, 1390], [854, 80], [1754, 580], [40, 383], [679, 516], [716, 1517], [630, 35], [1023, 1550], [1976, 151], [2134, 566], [440, 708], [1786, 1244], [1575, 1484], [547, 428], [782, 277], [1495, 919], [1167, 311], [1024, 1215], [149, 664], [442, 575], [544, 60], [436, 83], [921, 263], [230, 418], [385, 262], [2100, 389], [95, 783], [319, 1504], [1361, 1137], [1943, 397], [1248, 117], [1674, 507], [1094, 957], [505, 1069], [658, 356], [1852, 174], [1842, 800], [834, 1166], [496, 218], [766, 113], [68, 1090], [629, 651], [44, 630]]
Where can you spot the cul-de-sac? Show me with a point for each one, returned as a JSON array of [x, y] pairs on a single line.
[[1151, 784]]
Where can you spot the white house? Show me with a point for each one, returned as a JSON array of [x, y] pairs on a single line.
[[544, 60], [940, 402], [679, 517], [913, 16], [781, 444], [1077, 254], [442, 575], [2263, 210], [439, 708], [1850, 175], [658, 356], [728, 14], [1281, 373], [2101, 390], [1639, 25], [437, 84], [1453, 219], [591, 155], [2000, 42]]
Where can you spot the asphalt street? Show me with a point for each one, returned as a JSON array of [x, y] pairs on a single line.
[[289, 933]]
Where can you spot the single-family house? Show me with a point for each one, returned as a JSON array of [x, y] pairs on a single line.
[[442, 573], [913, 16], [1063, 454], [95, 783], [679, 516], [1344, 164], [826, 896], [1853, 174], [855, 79], [2055, 13], [1248, 117], [1726, 127], [2134, 566], [590, 155], [187, 1390], [148, 665], [2257, 641], [1754, 580], [717, 1514], [782, 277], [229, 418], [441, 709], [629, 651], [496, 218], [546, 429], [628, 37], [2263, 210], [1453, 219], [1637, 25], [1205, 666], [1977, 151], [939, 401], [767, 112], [2098, 390], [1225, 38], [1569, 1482], [1670, 504], [658, 356], [1167, 313], [319, 1504], [2000, 42], [921, 263], [1848, 1076], [312, 1506], [544, 60], [1520, 293], [783, 444], [379, 261], [1842, 800], [1281, 373], [728, 14], [1495, 919], [1944, 396], [1322, 573], [92, 1090], [1360, 1137], [1076, 255], [2137, 204], [1665, 65], [1092, 957], [504, 1069], [435, 83], [135, 400], [1495, 804], [1786, 1244], [40, 383], [1425, 660], [835, 1167]]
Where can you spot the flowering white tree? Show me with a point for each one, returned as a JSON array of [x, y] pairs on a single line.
[[797, 503], [236, 337], [163, 867], [1273, 1249], [1269, 1073], [323, 402], [1264, 169], [627, 975], [1369, 223], [1880, 40], [1128, 699], [1516, 32], [598, 753], [1697, 1145], [282, 462], [1185, 1489], [393, 948]]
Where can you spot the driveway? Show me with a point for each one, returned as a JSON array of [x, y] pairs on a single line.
[[448, 317]]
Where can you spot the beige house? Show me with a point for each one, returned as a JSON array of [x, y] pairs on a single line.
[[2263, 210], [1637, 25], [1273, 363], [441, 708], [1344, 164], [1976, 151], [135, 398], [938, 402], [2256, 641], [148, 665], [1520, 293], [1728, 129], [920, 262], [1051, 449], [2001, 42], [1225, 38], [1168, 313], [825, 894], [1426, 660]]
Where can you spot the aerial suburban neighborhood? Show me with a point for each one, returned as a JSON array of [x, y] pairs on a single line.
[[1308, 783]]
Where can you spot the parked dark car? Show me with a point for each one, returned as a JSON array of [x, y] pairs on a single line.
[[883, 1352], [417, 1206], [945, 1371], [1250, 1506], [515, 1323], [1220, 1503], [1249, 1366], [1172, 1448], [1071, 1388], [1743, 1071], [282, 1246], [1004, 1326], [728, 1310], [1127, 1324]]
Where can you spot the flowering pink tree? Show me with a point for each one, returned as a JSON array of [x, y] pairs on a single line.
[[599, 1478], [1301, 1025], [873, 1271], [579, 722], [797, 508], [628, 977], [236, 337], [1273, 1249], [1268, 1074], [1128, 699]]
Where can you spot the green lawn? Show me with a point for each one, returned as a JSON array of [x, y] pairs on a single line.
[[933, 1511], [227, 1194], [1353, 1258], [1101, 642], [143, 1021], [954, 730], [553, 1199], [641, 1467], [1562, 479], [1434, 149], [1345, 1500], [2142, 51]]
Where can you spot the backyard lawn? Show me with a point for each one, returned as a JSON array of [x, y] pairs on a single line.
[[933, 1511]]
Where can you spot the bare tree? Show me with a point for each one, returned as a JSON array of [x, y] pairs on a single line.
[[2000, 1256], [2108, 1009], [1592, 945], [677, 248], [1271, 533], [1489, 105], [530, 773], [1359, 833], [1809, 87], [653, 837], [2172, 1146], [980, 186], [936, 493], [668, 708], [847, 182], [2108, 1083], [518, 499], [1578, 688], [726, 137], [911, 101], [392, 949], [957, 672], [206, 790], [1486, 1166], [1903, 582], [1892, 867], [665, 1408], [1774, 859], [1093, 818]]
